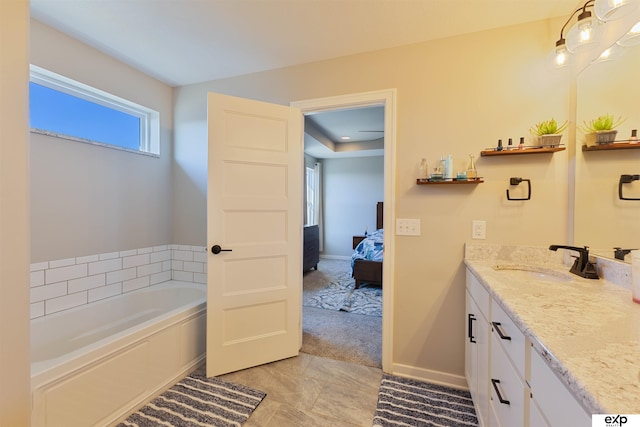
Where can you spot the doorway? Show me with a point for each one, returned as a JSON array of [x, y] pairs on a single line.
[[385, 99]]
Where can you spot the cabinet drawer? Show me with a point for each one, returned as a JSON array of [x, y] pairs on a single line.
[[506, 386], [555, 401], [478, 293], [510, 337]]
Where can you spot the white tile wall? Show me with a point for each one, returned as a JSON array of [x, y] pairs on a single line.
[[61, 284]]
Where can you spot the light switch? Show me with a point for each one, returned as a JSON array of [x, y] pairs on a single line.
[[407, 227], [478, 229]]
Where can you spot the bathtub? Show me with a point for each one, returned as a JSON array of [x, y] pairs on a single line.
[[93, 364]]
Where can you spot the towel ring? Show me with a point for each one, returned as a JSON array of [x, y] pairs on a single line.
[[626, 179], [516, 181]]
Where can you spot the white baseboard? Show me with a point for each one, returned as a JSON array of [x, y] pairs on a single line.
[[442, 378], [342, 257]]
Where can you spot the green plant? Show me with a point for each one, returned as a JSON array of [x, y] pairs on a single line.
[[604, 122], [548, 127]]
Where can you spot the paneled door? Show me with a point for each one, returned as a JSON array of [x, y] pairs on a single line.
[[254, 233]]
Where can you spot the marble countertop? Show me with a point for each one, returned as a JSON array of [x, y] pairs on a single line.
[[587, 330]]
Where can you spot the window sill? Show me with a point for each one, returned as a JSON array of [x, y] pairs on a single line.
[[88, 141]]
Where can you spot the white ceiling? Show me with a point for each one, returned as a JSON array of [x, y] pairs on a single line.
[[324, 132], [181, 42]]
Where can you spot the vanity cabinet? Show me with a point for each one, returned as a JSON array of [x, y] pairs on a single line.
[[510, 383]]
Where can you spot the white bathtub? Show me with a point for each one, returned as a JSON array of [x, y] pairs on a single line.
[[93, 364]]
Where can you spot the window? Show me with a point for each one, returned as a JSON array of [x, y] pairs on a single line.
[[310, 179], [64, 108]]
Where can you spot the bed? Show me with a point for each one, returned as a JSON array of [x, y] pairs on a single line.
[[366, 260]]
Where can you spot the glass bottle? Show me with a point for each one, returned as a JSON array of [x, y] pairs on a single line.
[[472, 172], [424, 170]]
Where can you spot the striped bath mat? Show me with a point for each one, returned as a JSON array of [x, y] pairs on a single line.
[[198, 401], [406, 402]]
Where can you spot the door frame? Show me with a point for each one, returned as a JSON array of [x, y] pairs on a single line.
[[387, 99]]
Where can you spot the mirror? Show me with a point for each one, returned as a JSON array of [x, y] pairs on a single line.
[[603, 221]]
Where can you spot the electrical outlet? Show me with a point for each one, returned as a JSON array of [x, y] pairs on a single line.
[[407, 227], [478, 229]]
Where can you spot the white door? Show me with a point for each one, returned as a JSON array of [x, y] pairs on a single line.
[[254, 215]]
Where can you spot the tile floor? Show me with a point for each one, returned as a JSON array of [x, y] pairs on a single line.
[[312, 391]]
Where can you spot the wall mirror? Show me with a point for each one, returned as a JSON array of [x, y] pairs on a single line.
[[603, 221]]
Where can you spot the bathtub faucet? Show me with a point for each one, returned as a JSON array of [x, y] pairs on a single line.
[[581, 266]]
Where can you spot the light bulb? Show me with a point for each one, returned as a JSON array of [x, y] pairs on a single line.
[[586, 32], [583, 33], [561, 56], [561, 59]]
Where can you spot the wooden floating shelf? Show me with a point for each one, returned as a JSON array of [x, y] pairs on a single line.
[[449, 181], [612, 146], [512, 152]]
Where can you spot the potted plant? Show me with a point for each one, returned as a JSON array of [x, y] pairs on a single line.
[[548, 132], [602, 129]]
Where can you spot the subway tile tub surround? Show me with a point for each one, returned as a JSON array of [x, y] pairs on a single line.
[[66, 283]]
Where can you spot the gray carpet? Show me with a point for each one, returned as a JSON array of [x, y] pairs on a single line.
[[198, 401], [407, 402], [341, 335], [331, 287]]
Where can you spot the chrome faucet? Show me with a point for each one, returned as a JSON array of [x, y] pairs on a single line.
[[581, 266]]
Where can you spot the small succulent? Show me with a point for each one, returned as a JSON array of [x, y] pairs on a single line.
[[604, 122], [548, 127]]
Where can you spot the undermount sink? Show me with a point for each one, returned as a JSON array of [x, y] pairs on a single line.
[[527, 272]]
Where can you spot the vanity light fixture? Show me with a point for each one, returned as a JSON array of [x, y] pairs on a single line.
[[562, 52], [609, 10], [585, 31]]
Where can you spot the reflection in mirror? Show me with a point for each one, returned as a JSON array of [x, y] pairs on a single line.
[[603, 221]]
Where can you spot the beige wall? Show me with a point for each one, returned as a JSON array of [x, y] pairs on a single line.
[[454, 96], [15, 397], [88, 199]]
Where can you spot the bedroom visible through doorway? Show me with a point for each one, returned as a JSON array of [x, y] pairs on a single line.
[[344, 181], [382, 98]]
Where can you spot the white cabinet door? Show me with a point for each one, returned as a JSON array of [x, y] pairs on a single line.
[[477, 358], [536, 419], [555, 401], [470, 345]]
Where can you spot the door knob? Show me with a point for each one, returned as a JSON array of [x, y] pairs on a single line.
[[216, 249]]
